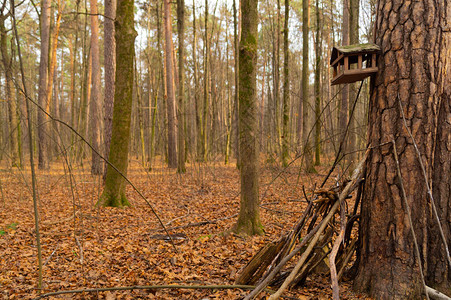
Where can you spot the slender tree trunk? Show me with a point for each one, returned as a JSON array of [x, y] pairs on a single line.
[[308, 156], [170, 90], [43, 159], [237, 79], [196, 89], [276, 91], [109, 55], [181, 88], [114, 192], [286, 90], [353, 39], [412, 83], [249, 218], [206, 103], [94, 105], [10, 95], [318, 54], [344, 104]]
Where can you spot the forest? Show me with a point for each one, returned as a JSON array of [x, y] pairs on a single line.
[[225, 149]]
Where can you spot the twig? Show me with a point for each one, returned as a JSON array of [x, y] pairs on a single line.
[[50, 257], [333, 269], [409, 216], [80, 248], [198, 223], [151, 287], [30, 140], [434, 209], [340, 148], [434, 294]]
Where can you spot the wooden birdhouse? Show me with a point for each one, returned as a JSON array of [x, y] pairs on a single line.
[[353, 63]]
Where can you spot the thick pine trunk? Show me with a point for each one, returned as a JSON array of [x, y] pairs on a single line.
[[414, 69]]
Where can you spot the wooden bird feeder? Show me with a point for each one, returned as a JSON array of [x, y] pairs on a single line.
[[354, 62]]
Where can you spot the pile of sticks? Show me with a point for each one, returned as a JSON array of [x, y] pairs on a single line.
[[327, 243]]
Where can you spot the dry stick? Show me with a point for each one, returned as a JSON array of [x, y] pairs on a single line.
[[434, 208], [349, 187], [333, 255], [333, 268], [409, 216], [340, 148], [261, 286], [434, 294], [149, 287], [30, 140]]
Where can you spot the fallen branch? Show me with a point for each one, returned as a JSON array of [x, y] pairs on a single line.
[[203, 223], [434, 294], [150, 287]]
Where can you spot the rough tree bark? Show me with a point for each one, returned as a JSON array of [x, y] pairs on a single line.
[[249, 217], [414, 69], [114, 192], [109, 55]]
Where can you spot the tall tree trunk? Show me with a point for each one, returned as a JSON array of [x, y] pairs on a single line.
[[344, 104], [52, 66], [206, 103], [318, 47], [109, 55], [286, 90], [353, 39], [415, 73], [170, 89], [114, 192], [237, 79], [181, 88], [276, 90], [94, 105], [10, 94], [249, 218], [43, 158], [196, 89], [308, 156]]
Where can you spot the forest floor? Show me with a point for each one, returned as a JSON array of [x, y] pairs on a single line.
[[87, 247]]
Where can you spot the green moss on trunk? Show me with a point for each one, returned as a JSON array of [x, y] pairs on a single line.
[[114, 192], [249, 218]]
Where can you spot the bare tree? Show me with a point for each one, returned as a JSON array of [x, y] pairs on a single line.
[[43, 120]]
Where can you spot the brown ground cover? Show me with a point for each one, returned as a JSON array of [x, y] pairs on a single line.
[[87, 247]]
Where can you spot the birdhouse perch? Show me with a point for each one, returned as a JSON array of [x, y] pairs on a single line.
[[354, 62]]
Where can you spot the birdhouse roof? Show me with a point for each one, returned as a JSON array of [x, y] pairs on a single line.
[[353, 49]]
